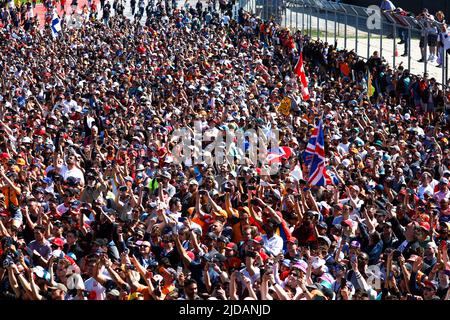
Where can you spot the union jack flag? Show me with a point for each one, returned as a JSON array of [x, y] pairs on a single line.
[[317, 152], [311, 146], [274, 155], [330, 177]]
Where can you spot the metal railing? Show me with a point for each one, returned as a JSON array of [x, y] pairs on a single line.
[[350, 27]]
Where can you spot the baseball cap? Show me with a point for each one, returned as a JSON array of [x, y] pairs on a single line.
[[322, 225], [326, 239], [286, 262], [58, 242], [425, 225], [347, 222], [193, 182], [302, 265], [114, 293], [41, 273], [231, 246], [211, 235], [4, 155], [317, 262], [59, 286], [355, 244], [191, 255], [166, 175], [431, 284], [257, 239]]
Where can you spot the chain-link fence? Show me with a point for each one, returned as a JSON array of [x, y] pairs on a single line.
[[399, 39]]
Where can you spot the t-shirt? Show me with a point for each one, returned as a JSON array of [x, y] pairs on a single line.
[[274, 244], [44, 249], [10, 196], [96, 290], [74, 172], [62, 209]]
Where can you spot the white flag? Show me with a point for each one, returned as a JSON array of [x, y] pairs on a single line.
[[56, 25]]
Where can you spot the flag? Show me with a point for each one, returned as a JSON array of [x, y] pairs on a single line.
[[311, 146], [370, 88], [55, 25], [317, 164], [330, 177], [299, 70], [297, 173], [275, 154]]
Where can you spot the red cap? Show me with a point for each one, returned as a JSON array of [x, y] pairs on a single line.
[[59, 242], [425, 225], [258, 239], [40, 132], [293, 240], [191, 255], [231, 246], [162, 151], [4, 155], [348, 222]]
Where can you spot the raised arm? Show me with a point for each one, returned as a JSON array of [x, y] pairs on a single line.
[[233, 291]]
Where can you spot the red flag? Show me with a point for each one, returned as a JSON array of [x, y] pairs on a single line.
[[300, 72]]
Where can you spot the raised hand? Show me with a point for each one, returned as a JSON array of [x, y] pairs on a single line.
[[418, 264]]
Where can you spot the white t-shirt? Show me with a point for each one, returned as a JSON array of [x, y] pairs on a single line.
[[74, 172], [69, 105], [422, 190], [92, 285], [344, 146], [274, 244]]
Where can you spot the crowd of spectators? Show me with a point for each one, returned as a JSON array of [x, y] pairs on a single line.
[[95, 207]]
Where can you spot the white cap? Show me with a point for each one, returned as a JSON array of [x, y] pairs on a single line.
[[346, 163], [317, 263]]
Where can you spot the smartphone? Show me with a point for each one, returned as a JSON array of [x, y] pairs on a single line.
[[396, 254], [343, 282]]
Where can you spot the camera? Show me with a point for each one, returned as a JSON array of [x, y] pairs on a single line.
[[8, 261], [251, 254], [396, 255]]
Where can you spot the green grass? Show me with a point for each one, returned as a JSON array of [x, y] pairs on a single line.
[[16, 2]]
